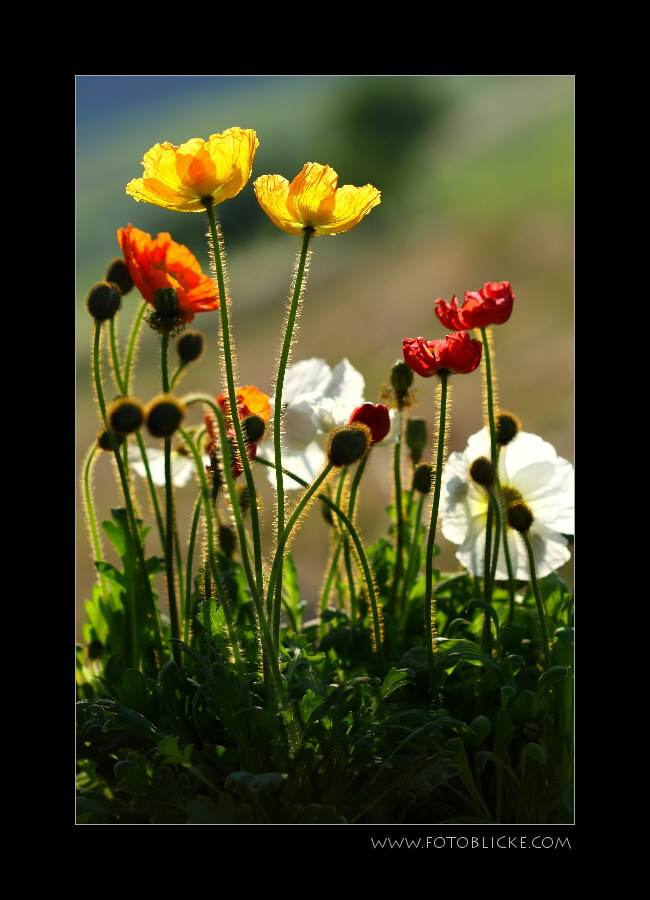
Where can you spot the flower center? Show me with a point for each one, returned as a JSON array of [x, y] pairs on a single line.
[[510, 494]]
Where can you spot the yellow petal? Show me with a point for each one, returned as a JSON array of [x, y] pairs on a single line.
[[181, 178], [352, 204], [272, 192]]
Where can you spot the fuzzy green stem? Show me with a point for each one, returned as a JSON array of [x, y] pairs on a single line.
[[538, 600], [170, 515], [121, 385], [489, 403], [429, 600], [127, 498], [130, 353], [361, 554], [399, 520], [90, 512], [188, 568], [283, 362], [229, 368], [214, 569]]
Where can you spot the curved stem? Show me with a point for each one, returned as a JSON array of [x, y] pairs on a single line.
[[363, 559], [121, 387], [90, 511], [135, 532], [429, 600]]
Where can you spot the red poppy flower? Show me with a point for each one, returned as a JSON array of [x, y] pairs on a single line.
[[162, 264], [457, 354], [250, 402], [376, 417], [492, 305]]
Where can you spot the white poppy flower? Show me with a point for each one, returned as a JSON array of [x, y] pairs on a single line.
[[182, 465], [530, 470], [315, 400]]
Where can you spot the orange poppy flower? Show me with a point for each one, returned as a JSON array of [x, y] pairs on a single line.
[[197, 173], [312, 200], [156, 265]]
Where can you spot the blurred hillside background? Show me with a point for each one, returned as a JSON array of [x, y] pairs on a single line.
[[476, 175]]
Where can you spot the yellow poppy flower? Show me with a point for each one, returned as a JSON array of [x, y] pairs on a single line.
[[312, 200], [184, 178]]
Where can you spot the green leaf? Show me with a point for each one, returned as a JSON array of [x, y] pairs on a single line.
[[536, 752], [173, 756]]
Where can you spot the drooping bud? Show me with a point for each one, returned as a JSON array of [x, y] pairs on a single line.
[[164, 415], [103, 301], [519, 516], [482, 472], [416, 437], [168, 316], [119, 274], [227, 540], [507, 428], [104, 440], [126, 415], [190, 346], [348, 444], [423, 478]]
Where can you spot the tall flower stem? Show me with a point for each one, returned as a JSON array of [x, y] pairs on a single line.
[[133, 525], [91, 458], [489, 401], [399, 518], [541, 613], [132, 346], [170, 515], [229, 366], [298, 288], [438, 462], [214, 569]]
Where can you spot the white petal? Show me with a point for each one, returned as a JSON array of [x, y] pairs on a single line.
[[308, 377], [306, 464], [299, 428], [346, 384]]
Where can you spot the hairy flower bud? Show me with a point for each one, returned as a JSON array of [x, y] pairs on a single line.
[[164, 415], [416, 437], [482, 472], [104, 440], [253, 427], [423, 478], [103, 301], [519, 516], [118, 273], [190, 346], [507, 428], [126, 415], [348, 444]]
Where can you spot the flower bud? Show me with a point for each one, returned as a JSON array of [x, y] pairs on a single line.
[[482, 472], [164, 415], [348, 444], [401, 377], [376, 417], [119, 274], [423, 478], [126, 415], [103, 301], [190, 346], [104, 440], [416, 437], [253, 427], [519, 516], [95, 649], [507, 427]]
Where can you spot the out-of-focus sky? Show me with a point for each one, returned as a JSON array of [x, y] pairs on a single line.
[[476, 175]]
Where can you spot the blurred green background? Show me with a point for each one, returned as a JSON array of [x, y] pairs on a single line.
[[476, 175]]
